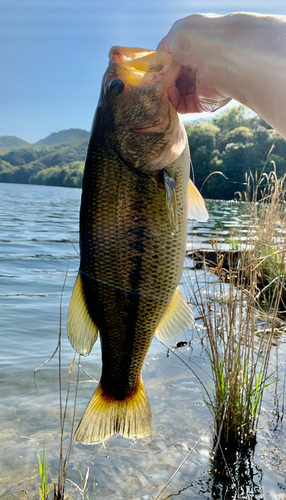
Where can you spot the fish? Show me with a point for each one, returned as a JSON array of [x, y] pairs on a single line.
[[136, 199]]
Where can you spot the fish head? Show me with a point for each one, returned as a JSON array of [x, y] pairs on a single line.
[[137, 118]]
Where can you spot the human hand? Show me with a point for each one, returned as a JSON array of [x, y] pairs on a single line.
[[191, 42]]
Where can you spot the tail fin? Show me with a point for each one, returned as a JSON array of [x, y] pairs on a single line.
[[105, 416]]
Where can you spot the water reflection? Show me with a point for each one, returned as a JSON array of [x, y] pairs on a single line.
[[229, 223], [37, 224], [240, 480]]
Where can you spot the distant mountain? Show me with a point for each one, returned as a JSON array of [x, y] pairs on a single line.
[[64, 136], [57, 160], [11, 142]]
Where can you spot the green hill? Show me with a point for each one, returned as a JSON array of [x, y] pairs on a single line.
[[56, 165], [64, 136], [11, 142]]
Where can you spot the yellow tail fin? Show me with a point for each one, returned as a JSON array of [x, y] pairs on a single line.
[[105, 416]]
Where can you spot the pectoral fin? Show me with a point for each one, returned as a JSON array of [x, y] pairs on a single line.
[[82, 332], [177, 319], [171, 202], [196, 205]]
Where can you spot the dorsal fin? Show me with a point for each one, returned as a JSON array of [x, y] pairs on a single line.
[[82, 332], [177, 319], [196, 205]]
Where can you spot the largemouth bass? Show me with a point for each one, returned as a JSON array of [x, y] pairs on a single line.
[[136, 199]]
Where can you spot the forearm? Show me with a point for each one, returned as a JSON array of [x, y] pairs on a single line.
[[254, 65], [242, 56]]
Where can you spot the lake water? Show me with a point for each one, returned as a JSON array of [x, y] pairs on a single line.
[[38, 251]]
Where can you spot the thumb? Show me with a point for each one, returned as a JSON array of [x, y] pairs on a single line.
[[164, 46], [181, 49]]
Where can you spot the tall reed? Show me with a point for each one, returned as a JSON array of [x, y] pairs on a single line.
[[240, 308]]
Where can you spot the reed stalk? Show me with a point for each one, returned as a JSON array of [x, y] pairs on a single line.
[[64, 413], [240, 308]]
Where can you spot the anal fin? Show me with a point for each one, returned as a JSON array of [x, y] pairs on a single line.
[[82, 332], [177, 319], [105, 416]]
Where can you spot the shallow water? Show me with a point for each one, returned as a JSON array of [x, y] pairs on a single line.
[[38, 228]]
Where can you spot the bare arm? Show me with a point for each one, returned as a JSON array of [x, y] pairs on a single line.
[[240, 56]]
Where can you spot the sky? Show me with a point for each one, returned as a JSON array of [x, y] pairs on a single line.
[[53, 53]]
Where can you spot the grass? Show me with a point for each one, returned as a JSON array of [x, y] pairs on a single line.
[[83, 490], [44, 489], [238, 360], [235, 305]]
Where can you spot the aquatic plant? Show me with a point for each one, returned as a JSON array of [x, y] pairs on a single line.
[[84, 488], [267, 238], [239, 306], [238, 360], [44, 489], [59, 489], [64, 459], [64, 456]]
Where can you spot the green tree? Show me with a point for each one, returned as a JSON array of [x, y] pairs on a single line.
[[231, 119], [202, 141]]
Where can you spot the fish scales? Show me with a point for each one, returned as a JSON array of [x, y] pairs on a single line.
[[130, 266], [133, 230]]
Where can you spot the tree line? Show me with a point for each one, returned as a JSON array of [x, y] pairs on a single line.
[[223, 151], [59, 165], [232, 145]]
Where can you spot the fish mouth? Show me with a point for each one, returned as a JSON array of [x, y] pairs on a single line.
[[144, 67], [160, 127]]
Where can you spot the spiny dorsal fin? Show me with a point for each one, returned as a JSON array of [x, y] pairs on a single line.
[[82, 332], [105, 416], [196, 205], [177, 319]]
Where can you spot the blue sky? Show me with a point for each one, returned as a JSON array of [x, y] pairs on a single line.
[[53, 53]]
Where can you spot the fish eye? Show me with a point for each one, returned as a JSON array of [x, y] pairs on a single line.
[[116, 87]]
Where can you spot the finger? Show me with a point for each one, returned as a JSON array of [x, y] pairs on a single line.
[[174, 96], [181, 49], [164, 45], [187, 104]]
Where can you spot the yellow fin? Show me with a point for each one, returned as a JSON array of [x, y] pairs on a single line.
[[196, 205], [105, 416], [82, 332], [177, 319]]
